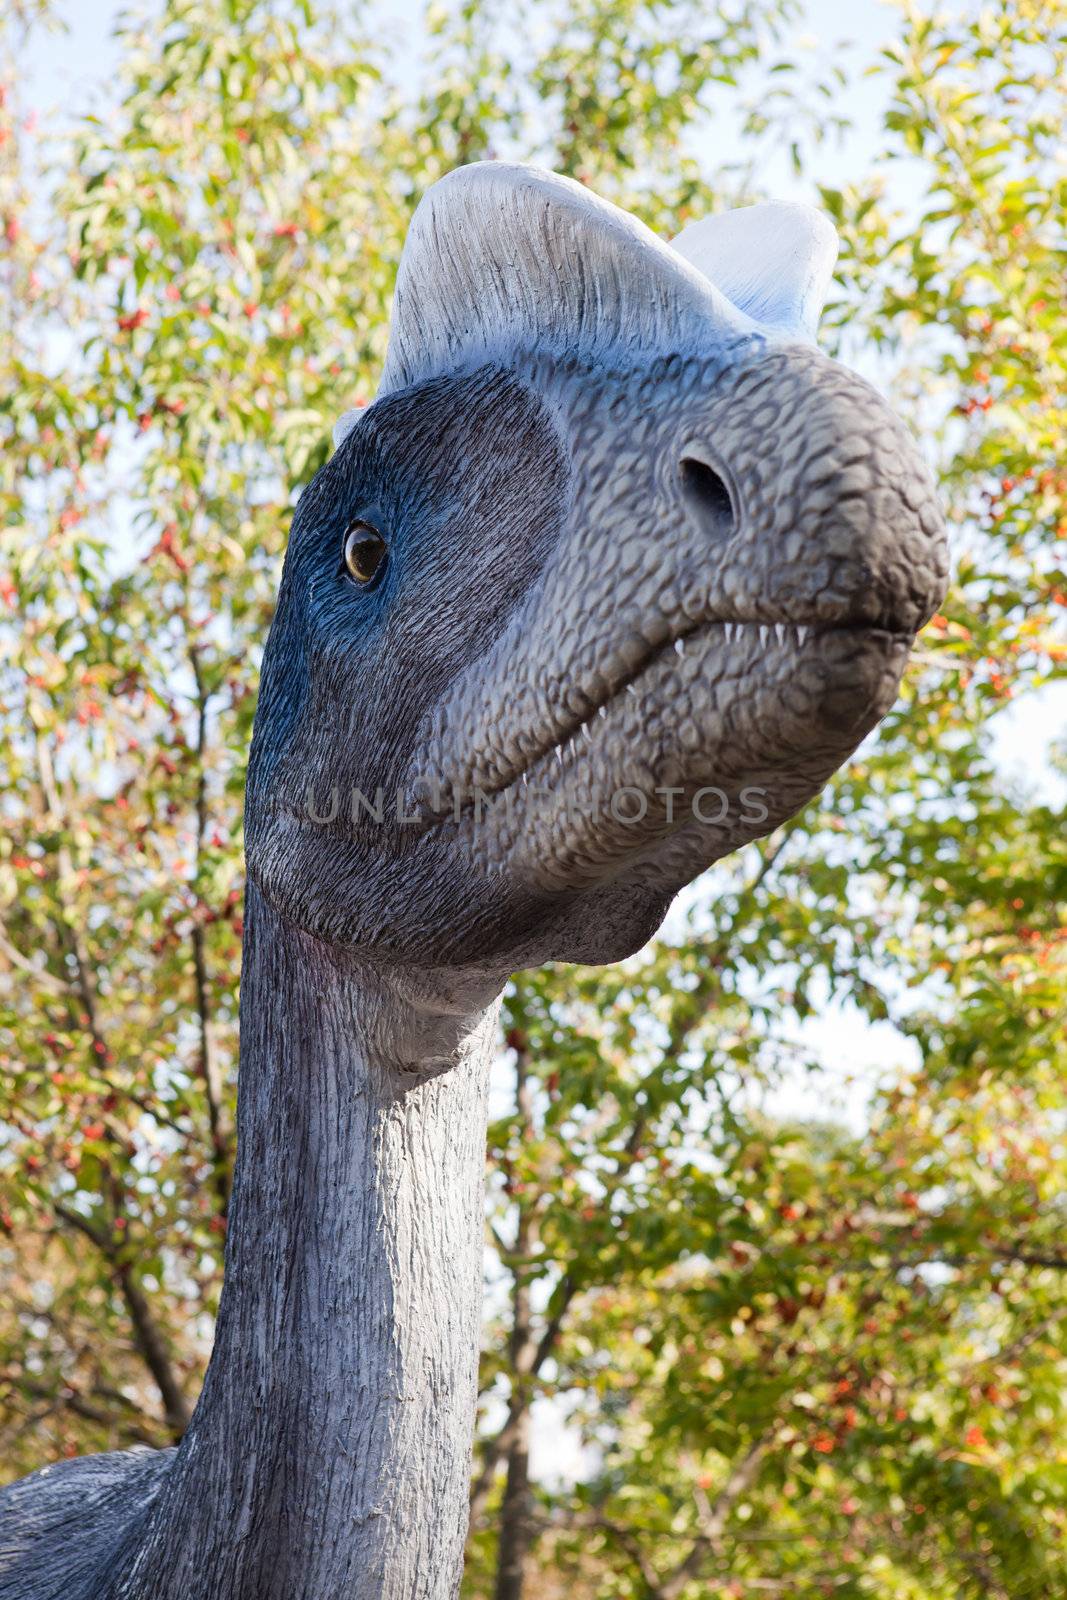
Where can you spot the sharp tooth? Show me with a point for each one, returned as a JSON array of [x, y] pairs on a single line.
[[602, 711], [679, 645], [585, 730], [631, 690], [764, 635], [779, 632], [559, 755], [525, 780], [729, 632], [802, 634]]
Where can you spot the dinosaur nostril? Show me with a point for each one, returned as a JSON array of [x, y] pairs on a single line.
[[707, 498]]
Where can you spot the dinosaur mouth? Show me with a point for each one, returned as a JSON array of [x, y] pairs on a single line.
[[614, 790], [769, 640]]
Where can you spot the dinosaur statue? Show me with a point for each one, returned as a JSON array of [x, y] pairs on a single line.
[[613, 536]]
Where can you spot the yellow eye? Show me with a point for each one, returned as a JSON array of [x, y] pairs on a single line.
[[365, 552]]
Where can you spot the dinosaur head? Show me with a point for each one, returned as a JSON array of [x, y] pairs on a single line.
[[614, 573]]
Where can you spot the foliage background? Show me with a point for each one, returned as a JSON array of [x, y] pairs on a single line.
[[787, 1344]]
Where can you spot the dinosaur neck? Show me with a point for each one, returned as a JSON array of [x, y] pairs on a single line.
[[329, 1453]]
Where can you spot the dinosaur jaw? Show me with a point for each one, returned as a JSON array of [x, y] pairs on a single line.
[[707, 640], [715, 739], [692, 755]]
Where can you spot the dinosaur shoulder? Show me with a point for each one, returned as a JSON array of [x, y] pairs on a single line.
[[63, 1530]]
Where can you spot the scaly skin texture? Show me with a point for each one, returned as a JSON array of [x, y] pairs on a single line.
[[603, 556], [638, 549]]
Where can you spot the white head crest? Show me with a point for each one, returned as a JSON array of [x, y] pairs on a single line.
[[502, 260]]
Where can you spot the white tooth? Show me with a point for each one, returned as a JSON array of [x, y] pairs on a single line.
[[585, 730], [729, 632], [525, 780], [559, 755], [779, 632], [602, 711], [679, 645], [764, 635], [631, 690], [802, 634]]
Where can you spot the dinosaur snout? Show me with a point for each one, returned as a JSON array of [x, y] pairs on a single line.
[[818, 501]]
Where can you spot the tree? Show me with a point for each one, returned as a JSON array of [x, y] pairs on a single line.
[[198, 390], [809, 1360]]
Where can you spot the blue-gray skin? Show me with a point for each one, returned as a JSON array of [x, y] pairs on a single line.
[[703, 567]]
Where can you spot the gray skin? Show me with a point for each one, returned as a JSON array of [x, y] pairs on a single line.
[[559, 513]]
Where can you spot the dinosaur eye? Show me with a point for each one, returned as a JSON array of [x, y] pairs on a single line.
[[365, 552]]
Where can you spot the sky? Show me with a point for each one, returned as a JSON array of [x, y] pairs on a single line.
[[72, 71]]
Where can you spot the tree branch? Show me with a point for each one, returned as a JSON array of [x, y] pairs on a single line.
[[46, 979], [69, 1399], [712, 1515], [1033, 1258], [154, 1353], [147, 1337]]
